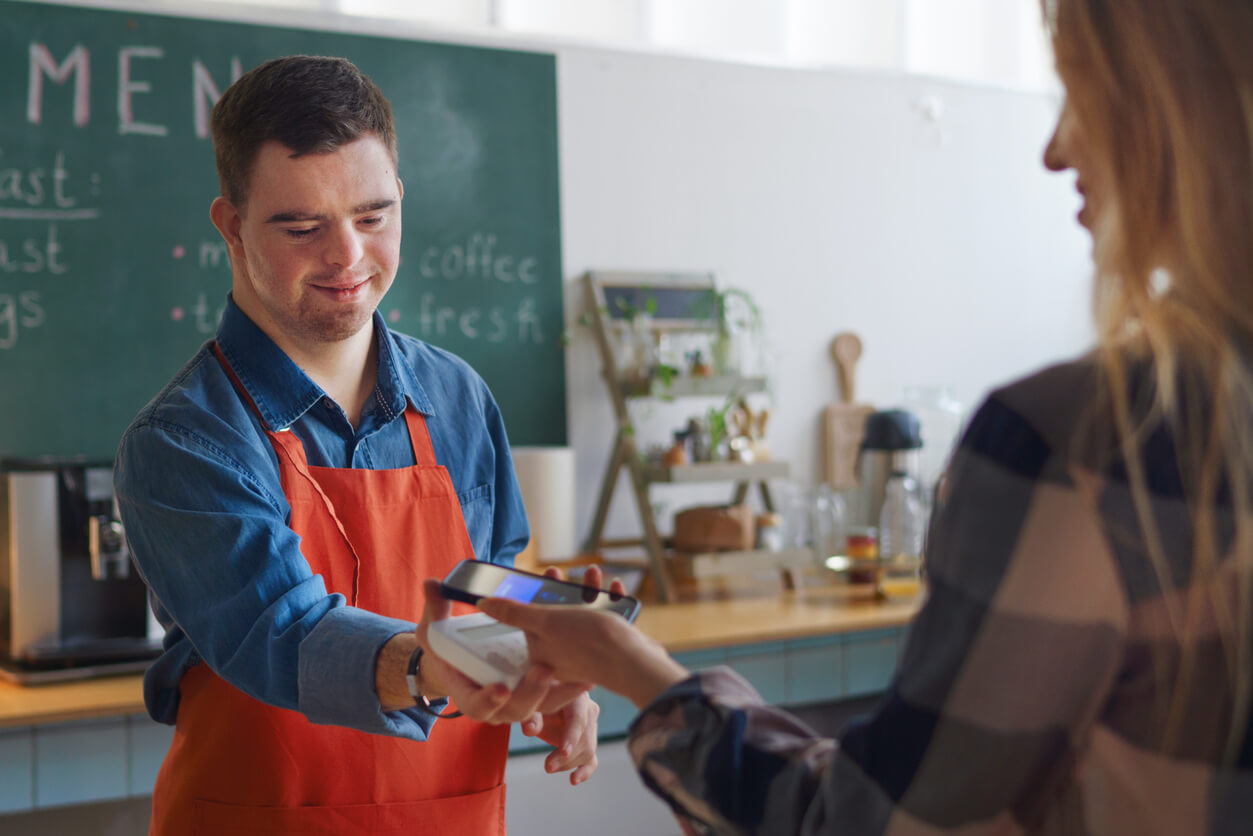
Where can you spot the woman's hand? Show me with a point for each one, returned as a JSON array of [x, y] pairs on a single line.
[[536, 692], [587, 647]]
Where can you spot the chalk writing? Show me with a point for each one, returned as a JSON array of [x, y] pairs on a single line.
[[477, 259], [200, 314], [495, 324], [213, 255], [33, 255], [41, 193], [206, 93], [18, 311], [134, 71], [41, 63], [126, 88], [30, 186]]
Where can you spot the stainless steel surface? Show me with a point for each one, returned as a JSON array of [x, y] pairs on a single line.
[[110, 557], [34, 564]]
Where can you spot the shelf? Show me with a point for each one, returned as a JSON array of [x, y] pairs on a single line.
[[641, 291], [717, 472], [688, 386], [713, 564]]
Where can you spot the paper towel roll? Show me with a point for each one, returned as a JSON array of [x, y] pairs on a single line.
[[546, 478]]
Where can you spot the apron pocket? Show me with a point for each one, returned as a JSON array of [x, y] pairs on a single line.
[[460, 815]]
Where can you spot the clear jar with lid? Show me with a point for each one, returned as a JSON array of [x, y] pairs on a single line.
[[862, 550]]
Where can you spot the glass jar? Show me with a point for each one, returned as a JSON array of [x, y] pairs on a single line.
[[862, 550], [792, 502], [828, 523], [941, 417], [902, 526]]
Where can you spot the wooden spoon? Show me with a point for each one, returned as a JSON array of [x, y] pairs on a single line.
[[846, 349]]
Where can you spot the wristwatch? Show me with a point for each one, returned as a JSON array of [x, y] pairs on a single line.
[[412, 676]]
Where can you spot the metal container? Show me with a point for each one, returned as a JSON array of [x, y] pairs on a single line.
[[891, 443]]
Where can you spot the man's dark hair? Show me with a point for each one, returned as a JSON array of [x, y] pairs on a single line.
[[311, 104]]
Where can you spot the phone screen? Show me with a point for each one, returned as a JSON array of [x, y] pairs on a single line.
[[471, 580]]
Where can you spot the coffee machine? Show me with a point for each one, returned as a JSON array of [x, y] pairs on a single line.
[[71, 603]]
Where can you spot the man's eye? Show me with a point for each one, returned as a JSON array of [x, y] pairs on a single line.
[[300, 233], [374, 220]]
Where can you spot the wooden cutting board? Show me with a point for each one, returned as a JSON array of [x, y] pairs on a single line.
[[844, 423]]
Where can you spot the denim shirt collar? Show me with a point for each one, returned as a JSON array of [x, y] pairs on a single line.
[[283, 392]]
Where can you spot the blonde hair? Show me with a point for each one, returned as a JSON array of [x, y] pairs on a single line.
[[1163, 95]]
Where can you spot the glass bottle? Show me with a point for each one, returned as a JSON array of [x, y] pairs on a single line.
[[941, 417], [902, 526]]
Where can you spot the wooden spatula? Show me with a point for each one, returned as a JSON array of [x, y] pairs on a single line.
[[845, 421]]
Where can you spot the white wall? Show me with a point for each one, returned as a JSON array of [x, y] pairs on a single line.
[[833, 199], [830, 195]]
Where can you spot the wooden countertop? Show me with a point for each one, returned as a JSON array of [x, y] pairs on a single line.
[[746, 619], [722, 618], [63, 702]]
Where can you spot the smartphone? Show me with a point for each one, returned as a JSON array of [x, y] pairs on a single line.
[[471, 580]]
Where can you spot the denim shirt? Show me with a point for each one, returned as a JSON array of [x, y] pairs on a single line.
[[197, 483]]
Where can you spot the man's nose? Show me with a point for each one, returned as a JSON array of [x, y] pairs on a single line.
[[344, 247]]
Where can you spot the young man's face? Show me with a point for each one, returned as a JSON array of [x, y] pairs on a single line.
[[318, 243]]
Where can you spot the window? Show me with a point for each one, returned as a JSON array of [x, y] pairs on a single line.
[[985, 41]]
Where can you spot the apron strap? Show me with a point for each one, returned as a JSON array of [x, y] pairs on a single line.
[[420, 438], [239, 384], [288, 446]]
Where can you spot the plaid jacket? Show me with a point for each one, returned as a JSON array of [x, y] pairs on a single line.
[[1027, 699]]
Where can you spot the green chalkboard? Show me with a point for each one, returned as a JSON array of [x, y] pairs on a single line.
[[111, 275]]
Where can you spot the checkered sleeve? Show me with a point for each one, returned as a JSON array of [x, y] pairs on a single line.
[[1002, 677]]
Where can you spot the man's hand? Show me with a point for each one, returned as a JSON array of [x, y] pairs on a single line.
[[572, 731]]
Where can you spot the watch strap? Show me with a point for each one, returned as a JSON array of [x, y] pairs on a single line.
[[411, 679]]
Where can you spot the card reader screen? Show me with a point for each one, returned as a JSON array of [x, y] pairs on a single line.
[[519, 588]]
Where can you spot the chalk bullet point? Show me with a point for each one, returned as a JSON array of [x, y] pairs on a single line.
[[179, 252], [394, 316], [176, 314]]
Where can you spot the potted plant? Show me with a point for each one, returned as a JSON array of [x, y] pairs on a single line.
[[738, 317]]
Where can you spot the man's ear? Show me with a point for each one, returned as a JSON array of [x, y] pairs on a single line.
[[400, 185], [228, 221]]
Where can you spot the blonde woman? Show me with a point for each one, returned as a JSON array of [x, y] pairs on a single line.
[[1083, 661]]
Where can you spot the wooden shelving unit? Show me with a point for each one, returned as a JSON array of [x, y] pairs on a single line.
[[626, 454], [717, 472], [687, 386]]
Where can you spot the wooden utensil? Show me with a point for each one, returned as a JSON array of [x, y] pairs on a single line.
[[845, 422], [846, 349]]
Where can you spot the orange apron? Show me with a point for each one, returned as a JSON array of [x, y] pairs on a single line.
[[239, 766]]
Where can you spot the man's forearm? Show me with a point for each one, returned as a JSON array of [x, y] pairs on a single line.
[[389, 672]]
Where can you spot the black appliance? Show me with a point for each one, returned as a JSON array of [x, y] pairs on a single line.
[[71, 603]]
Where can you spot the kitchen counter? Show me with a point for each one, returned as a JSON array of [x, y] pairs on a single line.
[[722, 618]]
